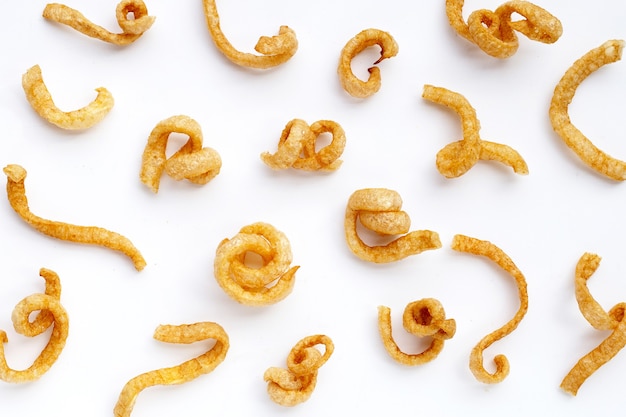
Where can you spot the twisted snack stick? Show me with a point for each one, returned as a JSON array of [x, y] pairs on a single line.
[[16, 193], [186, 371]]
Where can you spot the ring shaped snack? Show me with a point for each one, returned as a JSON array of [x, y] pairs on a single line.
[[41, 101], [179, 374], [608, 52], [274, 50], [364, 39], [296, 147], [494, 31], [294, 385], [49, 312], [422, 318], [378, 209], [474, 246], [93, 235], [457, 158], [132, 28]]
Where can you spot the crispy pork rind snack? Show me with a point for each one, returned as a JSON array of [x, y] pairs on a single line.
[[46, 311], [613, 320], [422, 318], [41, 101], [270, 283], [93, 235], [274, 50], [474, 246], [296, 147], [456, 158], [132, 28], [494, 31], [379, 210], [179, 374], [191, 162], [294, 385], [608, 52]]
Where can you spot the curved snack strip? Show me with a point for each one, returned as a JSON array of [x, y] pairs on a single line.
[[93, 235], [607, 53], [474, 246], [186, 371]]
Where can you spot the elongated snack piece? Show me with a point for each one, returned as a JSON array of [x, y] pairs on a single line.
[[607, 53], [294, 385], [48, 311], [93, 235], [378, 209], [494, 31], [296, 147], [422, 318], [132, 28], [365, 39], [41, 101], [456, 158], [184, 372]]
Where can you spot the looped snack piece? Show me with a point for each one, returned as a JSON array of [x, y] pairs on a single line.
[[294, 385], [191, 162], [270, 283], [607, 53], [132, 28], [296, 147], [457, 158], [494, 31], [49, 312], [378, 209], [422, 318], [186, 371]]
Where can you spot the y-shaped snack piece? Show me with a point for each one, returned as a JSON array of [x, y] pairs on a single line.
[[456, 158], [422, 318], [50, 312], [179, 374], [294, 385], [607, 53], [93, 235]]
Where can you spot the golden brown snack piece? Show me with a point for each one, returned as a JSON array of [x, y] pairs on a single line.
[[41, 101], [364, 39], [49, 312], [494, 31], [296, 147], [294, 385], [179, 374], [378, 209], [474, 246], [93, 235], [274, 50], [456, 158], [422, 318], [608, 52], [132, 28]]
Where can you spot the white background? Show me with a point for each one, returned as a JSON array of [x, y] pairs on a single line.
[[544, 221]]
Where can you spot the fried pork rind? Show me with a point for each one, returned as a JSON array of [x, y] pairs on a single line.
[[457, 158], [93, 235], [294, 385], [364, 39], [608, 52], [41, 101], [378, 209], [186, 371], [422, 318], [474, 246], [494, 31], [270, 283], [132, 28], [49, 312]]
